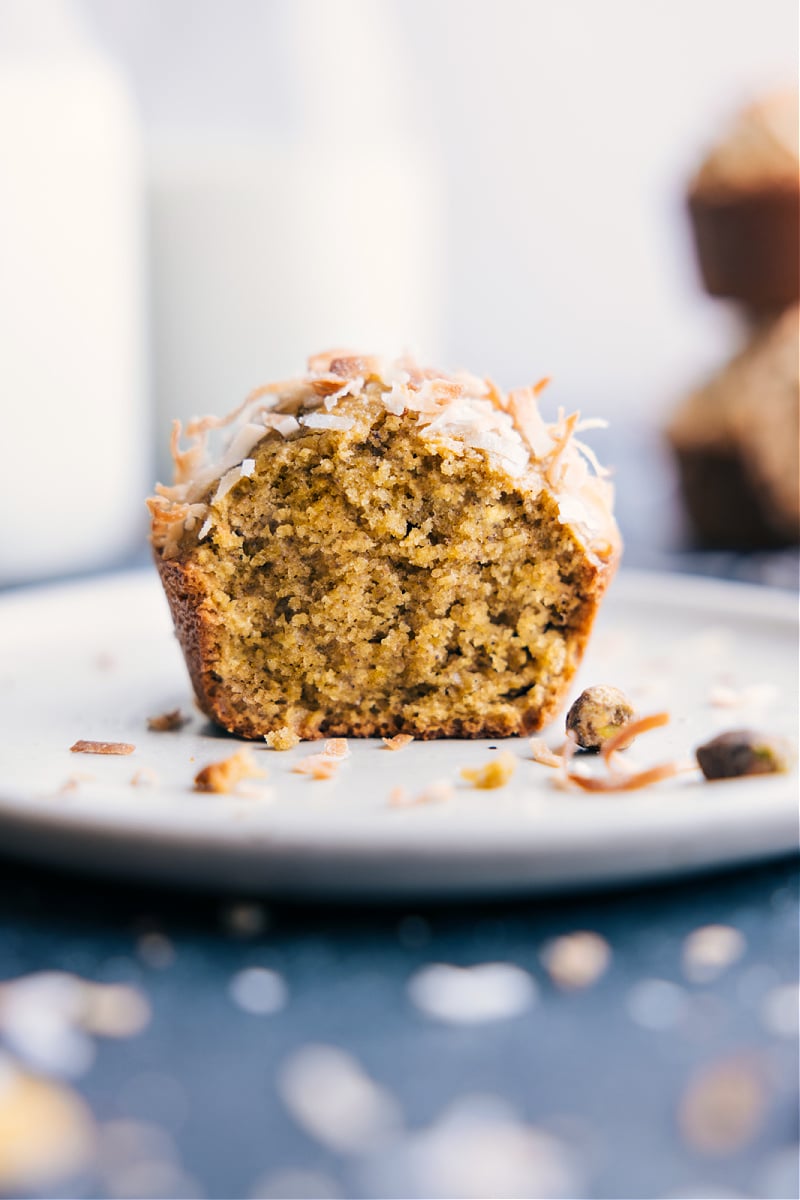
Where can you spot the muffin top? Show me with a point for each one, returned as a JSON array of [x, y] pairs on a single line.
[[759, 149], [346, 392]]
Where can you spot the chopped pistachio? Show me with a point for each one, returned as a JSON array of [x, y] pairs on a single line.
[[597, 715], [743, 752]]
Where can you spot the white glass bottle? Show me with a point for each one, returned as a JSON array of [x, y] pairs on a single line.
[[271, 243], [73, 445]]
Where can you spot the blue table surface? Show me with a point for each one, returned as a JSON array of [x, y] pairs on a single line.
[[199, 1093], [582, 1065]]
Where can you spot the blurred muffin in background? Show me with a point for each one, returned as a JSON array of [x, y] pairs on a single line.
[[744, 204], [736, 443]]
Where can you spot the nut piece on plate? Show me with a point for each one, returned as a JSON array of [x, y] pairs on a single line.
[[378, 548], [597, 715], [744, 752]]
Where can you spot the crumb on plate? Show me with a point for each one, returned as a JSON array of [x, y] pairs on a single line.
[[168, 721], [494, 774], [223, 776], [84, 747], [398, 742], [284, 738]]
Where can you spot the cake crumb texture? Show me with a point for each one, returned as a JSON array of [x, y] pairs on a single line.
[[365, 579]]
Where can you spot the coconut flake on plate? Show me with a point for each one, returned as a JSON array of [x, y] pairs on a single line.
[[335, 1102]]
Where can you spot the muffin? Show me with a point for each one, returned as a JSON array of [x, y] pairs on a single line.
[[744, 204], [382, 549], [736, 444]]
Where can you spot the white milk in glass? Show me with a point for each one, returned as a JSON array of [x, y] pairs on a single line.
[[265, 250], [73, 471]]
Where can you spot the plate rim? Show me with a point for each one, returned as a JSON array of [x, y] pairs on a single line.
[[779, 831]]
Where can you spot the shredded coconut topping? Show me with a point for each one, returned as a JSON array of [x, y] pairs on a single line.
[[452, 412]]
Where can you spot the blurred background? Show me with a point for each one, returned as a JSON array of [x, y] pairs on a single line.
[[196, 194]]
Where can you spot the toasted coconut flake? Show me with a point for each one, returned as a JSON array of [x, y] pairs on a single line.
[[226, 483], [398, 742], [84, 747], [541, 753], [494, 774], [351, 388], [624, 736], [223, 776], [284, 423], [350, 366], [186, 461], [629, 783], [620, 777], [168, 722], [567, 754], [328, 385], [320, 364], [457, 411], [326, 421]]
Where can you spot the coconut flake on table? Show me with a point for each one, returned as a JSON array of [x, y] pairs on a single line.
[[478, 1146], [46, 1018], [332, 1098], [710, 950], [779, 1010], [472, 995], [47, 1133], [723, 1106], [657, 1004]]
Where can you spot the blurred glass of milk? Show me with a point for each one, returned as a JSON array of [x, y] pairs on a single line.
[[267, 247], [73, 448]]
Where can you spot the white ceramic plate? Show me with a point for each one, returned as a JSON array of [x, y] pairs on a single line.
[[94, 660]]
